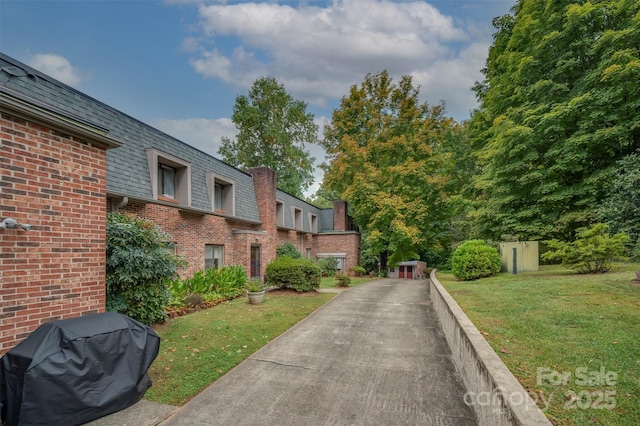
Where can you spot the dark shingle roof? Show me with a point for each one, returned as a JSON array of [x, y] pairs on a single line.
[[127, 167]]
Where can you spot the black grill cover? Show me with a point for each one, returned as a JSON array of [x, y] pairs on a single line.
[[73, 371]]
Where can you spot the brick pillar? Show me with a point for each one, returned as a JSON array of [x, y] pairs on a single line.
[[265, 185], [340, 216]]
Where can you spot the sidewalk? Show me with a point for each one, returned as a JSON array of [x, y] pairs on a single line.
[[374, 355]]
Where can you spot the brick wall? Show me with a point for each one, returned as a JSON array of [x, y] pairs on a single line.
[[57, 184], [191, 232], [347, 242]]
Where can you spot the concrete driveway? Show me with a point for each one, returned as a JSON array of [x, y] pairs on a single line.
[[374, 355]]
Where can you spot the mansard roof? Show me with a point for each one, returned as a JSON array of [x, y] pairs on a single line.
[[127, 165]]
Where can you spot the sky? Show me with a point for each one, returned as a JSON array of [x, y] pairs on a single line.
[[178, 65]]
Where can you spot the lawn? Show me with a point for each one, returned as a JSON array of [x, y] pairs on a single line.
[[198, 348], [571, 340], [330, 282]]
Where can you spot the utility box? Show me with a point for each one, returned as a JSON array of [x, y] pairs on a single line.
[[526, 256]]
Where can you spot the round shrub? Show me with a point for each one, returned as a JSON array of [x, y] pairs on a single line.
[[298, 274], [475, 259]]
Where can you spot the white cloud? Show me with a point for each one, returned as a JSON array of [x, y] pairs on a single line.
[[451, 79], [319, 52], [58, 67], [204, 134]]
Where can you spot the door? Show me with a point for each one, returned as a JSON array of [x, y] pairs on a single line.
[[255, 262], [401, 272], [409, 272]]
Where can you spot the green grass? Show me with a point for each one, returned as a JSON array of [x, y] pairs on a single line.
[[198, 348], [582, 325], [330, 282]]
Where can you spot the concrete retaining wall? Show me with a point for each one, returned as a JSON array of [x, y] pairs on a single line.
[[495, 394]]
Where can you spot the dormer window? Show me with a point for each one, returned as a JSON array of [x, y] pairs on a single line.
[[297, 218], [313, 223], [170, 177], [279, 213], [221, 194]]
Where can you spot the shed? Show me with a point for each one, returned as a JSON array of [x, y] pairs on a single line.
[[412, 269]]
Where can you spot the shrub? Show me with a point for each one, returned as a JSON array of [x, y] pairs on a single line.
[[328, 265], [358, 270], [343, 280], [213, 284], [592, 251], [474, 259], [139, 267], [298, 274], [288, 250], [255, 286]]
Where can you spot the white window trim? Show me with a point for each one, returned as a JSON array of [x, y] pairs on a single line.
[[228, 193], [183, 174]]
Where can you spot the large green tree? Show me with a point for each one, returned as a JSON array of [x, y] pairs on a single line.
[[274, 130], [559, 106], [620, 208], [385, 152]]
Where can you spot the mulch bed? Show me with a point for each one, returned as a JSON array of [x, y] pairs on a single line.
[[185, 310]]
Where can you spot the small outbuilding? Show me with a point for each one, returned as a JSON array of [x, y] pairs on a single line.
[[412, 269], [520, 256]]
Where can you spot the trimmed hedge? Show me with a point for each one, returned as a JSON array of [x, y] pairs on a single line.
[[298, 274], [474, 259]]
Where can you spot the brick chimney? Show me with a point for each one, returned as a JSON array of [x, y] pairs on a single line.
[[340, 220], [265, 185]]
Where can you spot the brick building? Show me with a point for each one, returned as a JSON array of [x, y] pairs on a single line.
[[67, 159]]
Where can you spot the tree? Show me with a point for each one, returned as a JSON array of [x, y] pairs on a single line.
[[560, 104], [385, 152], [620, 208], [274, 130]]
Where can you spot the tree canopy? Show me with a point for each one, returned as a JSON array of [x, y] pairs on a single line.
[[384, 151], [274, 130], [560, 104]]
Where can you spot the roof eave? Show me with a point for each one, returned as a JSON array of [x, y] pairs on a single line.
[[18, 105]]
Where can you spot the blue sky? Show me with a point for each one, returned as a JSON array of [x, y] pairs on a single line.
[[179, 64]]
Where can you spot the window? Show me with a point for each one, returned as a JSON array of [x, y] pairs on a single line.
[[313, 222], [166, 181], [297, 218], [213, 255], [170, 177], [217, 196], [308, 253], [221, 193], [279, 213]]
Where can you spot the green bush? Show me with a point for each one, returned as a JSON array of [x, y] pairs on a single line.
[[328, 265], [213, 284], [592, 251], [298, 274], [288, 249], [474, 259], [358, 270], [139, 267], [343, 280]]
